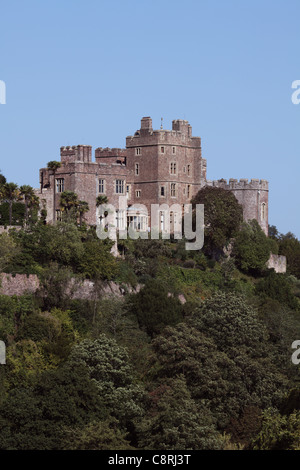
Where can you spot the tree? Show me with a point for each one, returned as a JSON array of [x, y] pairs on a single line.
[[35, 418], [277, 287], [68, 200], [289, 246], [97, 435], [97, 262], [232, 323], [83, 207], [2, 179], [10, 192], [8, 249], [273, 232], [223, 353], [154, 308], [222, 217], [109, 369], [69, 203], [100, 200], [174, 421], [278, 432], [54, 165], [56, 286], [30, 199], [252, 248]]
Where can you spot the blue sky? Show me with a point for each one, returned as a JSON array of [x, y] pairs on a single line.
[[86, 72]]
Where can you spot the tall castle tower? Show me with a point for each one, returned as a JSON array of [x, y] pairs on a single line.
[[164, 166]]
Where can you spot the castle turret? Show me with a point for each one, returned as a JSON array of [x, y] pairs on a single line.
[[253, 197], [76, 153]]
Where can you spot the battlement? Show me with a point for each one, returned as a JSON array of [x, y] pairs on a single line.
[[182, 126], [76, 153], [180, 134], [243, 184], [110, 155]]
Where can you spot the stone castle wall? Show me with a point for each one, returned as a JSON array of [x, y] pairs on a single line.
[[21, 284], [278, 263]]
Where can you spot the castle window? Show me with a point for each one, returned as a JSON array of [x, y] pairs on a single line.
[[162, 191], [263, 211], [136, 169], [119, 186], [138, 151], [138, 193], [101, 186], [174, 150], [128, 190], [173, 168], [162, 149], [189, 170], [60, 184], [173, 190], [184, 169], [188, 190]]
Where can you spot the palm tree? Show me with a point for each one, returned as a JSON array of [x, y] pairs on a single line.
[[30, 199], [69, 204], [2, 179], [10, 193], [100, 200], [68, 200], [54, 165], [83, 207]]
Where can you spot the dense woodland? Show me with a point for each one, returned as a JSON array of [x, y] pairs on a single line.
[[148, 370]]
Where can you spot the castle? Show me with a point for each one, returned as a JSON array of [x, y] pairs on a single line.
[[156, 167]]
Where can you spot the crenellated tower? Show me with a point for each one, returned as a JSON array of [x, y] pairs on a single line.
[[252, 195]]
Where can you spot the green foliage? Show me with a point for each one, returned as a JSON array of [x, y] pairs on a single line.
[[289, 246], [277, 287], [176, 422], [9, 192], [228, 367], [283, 327], [57, 284], [64, 245], [97, 435], [34, 418], [154, 308], [109, 369], [77, 371], [18, 213], [53, 165], [60, 243], [12, 312], [8, 250], [2, 179], [278, 432], [252, 248], [25, 362], [96, 261], [222, 217], [232, 323]]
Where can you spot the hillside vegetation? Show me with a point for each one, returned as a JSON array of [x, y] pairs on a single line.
[[198, 358]]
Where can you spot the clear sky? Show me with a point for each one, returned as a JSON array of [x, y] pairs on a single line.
[[87, 71]]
